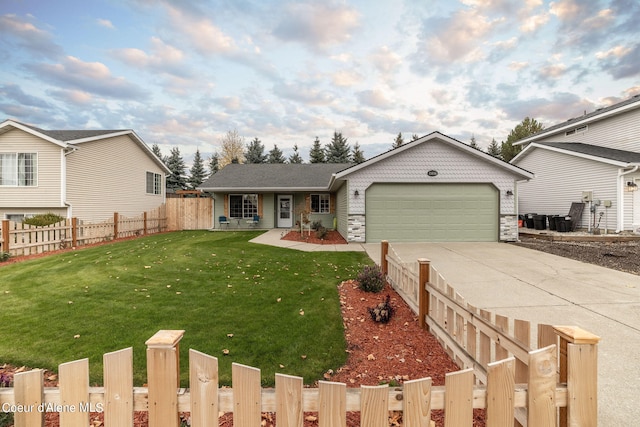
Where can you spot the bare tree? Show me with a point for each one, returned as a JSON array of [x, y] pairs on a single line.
[[231, 149]]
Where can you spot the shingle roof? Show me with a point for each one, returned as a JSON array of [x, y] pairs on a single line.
[[269, 176], [72, 135], [596, 151]]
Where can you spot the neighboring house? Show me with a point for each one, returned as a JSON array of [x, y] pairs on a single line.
[[432, 189], [595, 159], [88, 174]]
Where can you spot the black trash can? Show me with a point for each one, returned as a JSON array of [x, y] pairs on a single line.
[[552, 222], [540, 222], [528, 220], [564, 224]]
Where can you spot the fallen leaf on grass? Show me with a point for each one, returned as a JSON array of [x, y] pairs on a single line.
[[77, 336], [225, 351]]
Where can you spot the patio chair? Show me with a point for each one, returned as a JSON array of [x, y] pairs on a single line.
[[254, 222], [223, 221]]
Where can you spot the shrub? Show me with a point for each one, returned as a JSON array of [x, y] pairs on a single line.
[[370, 279], [316, 225], [382, 312], [321, 233], [41, 220], [4, 256]]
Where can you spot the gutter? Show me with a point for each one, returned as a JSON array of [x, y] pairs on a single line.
[[620, 189]]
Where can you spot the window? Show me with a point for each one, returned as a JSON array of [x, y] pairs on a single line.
[[320, 203], [154, 183], [19, 169], [243, 205]]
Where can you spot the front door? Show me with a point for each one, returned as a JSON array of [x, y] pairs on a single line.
[[285, 211]]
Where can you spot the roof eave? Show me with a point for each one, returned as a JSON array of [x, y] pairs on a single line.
[[18, 125], [262, 189], [534, 145]]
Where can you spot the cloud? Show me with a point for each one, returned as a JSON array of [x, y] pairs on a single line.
[[105, 23], [346, 78], [77, 97], [318, 25], [205, 37], [559, 107], [304, 93], [91, 77], [29, 37], [15, 93], [162, 58], [583, 25], [386, 61], [621, 61], [374, 98], [534, 22]]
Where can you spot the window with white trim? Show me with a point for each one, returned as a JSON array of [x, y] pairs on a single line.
[[320, 203], [243, 205], [18, 169], [154, 183]]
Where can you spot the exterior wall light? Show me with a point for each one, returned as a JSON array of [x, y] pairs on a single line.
[[356, 193], [509, 193]]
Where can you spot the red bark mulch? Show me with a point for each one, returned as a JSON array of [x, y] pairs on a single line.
[[332, 237]]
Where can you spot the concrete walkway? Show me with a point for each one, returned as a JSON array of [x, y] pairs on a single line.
[[542, 288]]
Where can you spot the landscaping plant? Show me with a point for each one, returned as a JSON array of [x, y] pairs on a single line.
[[371, 279]]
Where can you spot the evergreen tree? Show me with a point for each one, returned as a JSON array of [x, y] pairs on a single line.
[[176, 179], [214, 163], [295, 158], [275, 155], [398, 141], [357, 156], [255, 152], [338, 150], [494, 148], [197, 173], [414, 137], [528, 127], [156, 150], [473, 143], [316, 155]]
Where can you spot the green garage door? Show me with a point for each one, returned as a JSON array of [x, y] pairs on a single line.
[[432, 213]]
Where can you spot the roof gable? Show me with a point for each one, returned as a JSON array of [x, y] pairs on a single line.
[[612, 156], [437, 137], [273, 177], [597, 115]]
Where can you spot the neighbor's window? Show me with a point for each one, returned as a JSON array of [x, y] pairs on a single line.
[[154, 183], [320, 203], [19, 169], [243, 205]]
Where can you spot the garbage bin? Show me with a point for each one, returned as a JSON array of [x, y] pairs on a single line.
[[528, 220], [540, 222], [552, 222], [564, 224]]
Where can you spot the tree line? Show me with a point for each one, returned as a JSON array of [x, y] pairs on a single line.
[[234, 150]]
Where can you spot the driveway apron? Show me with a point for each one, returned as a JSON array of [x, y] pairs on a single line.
[[525, 284]]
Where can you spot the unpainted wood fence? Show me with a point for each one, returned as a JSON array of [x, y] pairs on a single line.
[[22, 239], [164, 400], [189, 213], [475, 338]]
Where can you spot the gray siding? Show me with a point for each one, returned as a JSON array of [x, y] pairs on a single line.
[[47, 195], [560, 180], [108, 176], [619, 132]]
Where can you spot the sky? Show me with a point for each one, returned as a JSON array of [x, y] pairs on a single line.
[[184, 73]]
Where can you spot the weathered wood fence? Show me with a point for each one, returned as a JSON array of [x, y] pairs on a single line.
[[189, 213], [163, 398], [474, 338], [22, 239]]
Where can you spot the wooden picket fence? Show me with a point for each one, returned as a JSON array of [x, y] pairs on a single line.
[[22, 239], [474, 338], [164, 400]]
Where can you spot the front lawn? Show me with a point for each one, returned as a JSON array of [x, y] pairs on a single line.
[[269, 307]]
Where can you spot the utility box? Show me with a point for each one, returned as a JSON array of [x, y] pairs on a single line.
[[587, 196], [606, 203]]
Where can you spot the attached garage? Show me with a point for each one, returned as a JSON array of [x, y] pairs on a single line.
[[451, 212], [432, 189]]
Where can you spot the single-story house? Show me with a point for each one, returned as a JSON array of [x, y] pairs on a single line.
[[87, 174], [434, 188], [593, 158]]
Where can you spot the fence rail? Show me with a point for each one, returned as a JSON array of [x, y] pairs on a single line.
[[163, 399], [474, 338], [22, 239]]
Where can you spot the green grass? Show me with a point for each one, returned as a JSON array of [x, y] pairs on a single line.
[[88, 302]]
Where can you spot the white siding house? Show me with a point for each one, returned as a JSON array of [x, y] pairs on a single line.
[[594, 156], [86, 174]]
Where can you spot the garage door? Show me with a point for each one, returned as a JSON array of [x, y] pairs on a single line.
[[432, 213]]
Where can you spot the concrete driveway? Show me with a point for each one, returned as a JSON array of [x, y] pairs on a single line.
[[531, 285]]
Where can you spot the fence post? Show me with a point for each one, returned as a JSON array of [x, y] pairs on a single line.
[[579, 369], [424, 271], [144, 216], [115, 225], [74, 232], [384, 265], [5, 235], [163, 377]]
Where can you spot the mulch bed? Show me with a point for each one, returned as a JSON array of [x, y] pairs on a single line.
[[332, 238]]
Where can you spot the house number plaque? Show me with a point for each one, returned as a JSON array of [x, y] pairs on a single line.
[[432, 173]]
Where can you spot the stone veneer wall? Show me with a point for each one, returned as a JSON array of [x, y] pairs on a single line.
[[508, 228], [356, 229]]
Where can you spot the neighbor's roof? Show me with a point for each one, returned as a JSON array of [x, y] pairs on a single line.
[[273, 177], [599, 114], [593, 152], [71, 138]]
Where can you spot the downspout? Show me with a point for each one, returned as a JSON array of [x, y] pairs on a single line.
[[63, 191], [620, 208]]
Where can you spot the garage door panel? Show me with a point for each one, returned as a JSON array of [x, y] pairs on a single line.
[[432, 212]]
